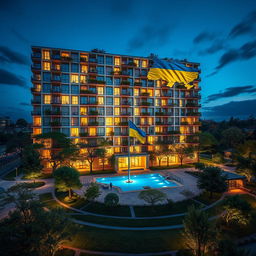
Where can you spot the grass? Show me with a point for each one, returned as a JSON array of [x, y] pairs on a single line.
[[159, 210], [130, 222], [125, 241]]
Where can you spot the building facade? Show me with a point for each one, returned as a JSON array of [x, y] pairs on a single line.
[[92, 95]]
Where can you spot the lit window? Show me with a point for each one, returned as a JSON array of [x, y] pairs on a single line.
[[117, 61], [116, 70], [74, 79], [101, 100], [37, 131], [164, 102], [144, 64], [64, 99], [64, 54], [109, 131], [150, 139], [46, 66], [150, 93], [37, 121], [109, 121], [47, 99], [117, 140], [74, 132], [136, 92], [117, 150], [92, 131], [46, 55], [137, 62], [84, 69], [136, 111], [150, 120], [117, 111], [82, 79], [157, 129], [74, 100], [83, 120], [157, 93], [100, 90], [46, 153], [117, 101], [83, 111], [116, 91]]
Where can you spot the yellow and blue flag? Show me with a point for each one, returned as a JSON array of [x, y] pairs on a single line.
[[135, 132], [172, 72]]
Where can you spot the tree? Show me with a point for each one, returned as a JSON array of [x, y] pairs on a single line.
[[92, 192], [198, 232], [182, 151], [67, 179], [29, 229], [232, 136], [31, 161], [64, 153], [237, 210], [152, 196], [247, 149], [111, 199], [104, 144], [207, 142], [90, 153], [167, 152], [212, 180], [218, 158], [21, 122]]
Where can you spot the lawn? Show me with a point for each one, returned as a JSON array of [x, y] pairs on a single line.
[[159, 210], [125, 241]]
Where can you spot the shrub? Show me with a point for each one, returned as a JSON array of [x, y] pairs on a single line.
[[92, 192], [152, 196], [200, 166], [111, 199]]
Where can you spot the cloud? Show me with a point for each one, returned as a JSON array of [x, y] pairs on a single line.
[[20, 36], [11, 79], [9, 56], [150, 35], [216, 46], [231, 92], [233, 108], [246, 26], [204, 37]]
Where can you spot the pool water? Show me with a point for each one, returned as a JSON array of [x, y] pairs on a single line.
[[155, 180]]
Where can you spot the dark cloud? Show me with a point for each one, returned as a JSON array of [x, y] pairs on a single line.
[[204, 37], [217, 46], [150, 35], [246, 26], [9, 56], [11, 79], [231, 92], [233, 108], [25, 104]]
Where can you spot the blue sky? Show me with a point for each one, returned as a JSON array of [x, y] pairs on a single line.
[[218, 34]]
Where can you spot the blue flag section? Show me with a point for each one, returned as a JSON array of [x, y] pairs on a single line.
[[135, 132]]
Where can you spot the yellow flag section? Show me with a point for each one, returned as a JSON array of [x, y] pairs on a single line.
[[172, 72], [135, 132]]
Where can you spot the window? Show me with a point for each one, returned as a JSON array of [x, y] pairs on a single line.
[[109, 121], [109, 90], [74, 89], [83, 100], [157, 93], [136, 111], [65, 121], [84, 69], [100, 90], [100, 70], [74, 111], [74, 79], [74, 56], [46, 65], [83, 111], [47, 99], [37, 131], [116, 91], [65, 67], [117, 81], [92, 131], [109, 70], [64, 88], [144, 64], [109, 60], [65, 78], [100, 59], [117, 61], [65, 110], [64, 99], [74, 99], [136, 92], [101, 131], [37, 121], [109, 101], [137, 62], [117, 101], [109, 111], [101, 100], [75, 68], [46, 55], [82, 79], [117, 111], [74, 132], [47, 88], [84, 120], [46, 76], [109, 80]]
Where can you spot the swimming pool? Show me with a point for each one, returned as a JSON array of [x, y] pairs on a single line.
[[155, 180]]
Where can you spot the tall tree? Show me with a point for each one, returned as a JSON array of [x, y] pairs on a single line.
[[67, 179], [232, 136], [90, 153], [182, 151], [212, 180], [104, 144], [198, 231], [64, 151]]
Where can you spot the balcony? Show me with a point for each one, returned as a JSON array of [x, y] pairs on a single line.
[[93, 123], [83, 59], [36, 55], [144, 94], [126, 103], [35, 90], [66, 58], [84, 134], [193, 114], [55, 123], [145, 114], [36, 113], [130, 64], [88, 92], [93, 113], [137, 84], [145, 103], [124, 82], [125, 114], [95, 81]]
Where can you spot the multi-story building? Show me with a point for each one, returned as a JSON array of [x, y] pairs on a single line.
[[88, 95]]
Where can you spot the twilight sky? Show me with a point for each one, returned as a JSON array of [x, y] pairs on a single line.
[[219, 34]]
